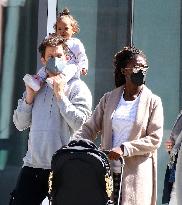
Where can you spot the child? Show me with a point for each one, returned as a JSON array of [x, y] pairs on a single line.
[[66, 26]]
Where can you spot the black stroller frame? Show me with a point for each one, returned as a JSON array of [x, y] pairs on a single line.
[[120, 184], [122, 161]]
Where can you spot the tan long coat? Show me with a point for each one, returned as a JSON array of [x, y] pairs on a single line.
[[139, 177]]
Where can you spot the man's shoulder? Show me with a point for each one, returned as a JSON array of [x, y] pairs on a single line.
[[78, 89], [77, 83]]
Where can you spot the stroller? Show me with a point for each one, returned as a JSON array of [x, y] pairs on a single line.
[[81, 175]]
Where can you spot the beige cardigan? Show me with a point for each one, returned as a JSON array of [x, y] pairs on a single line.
[[140, 171]]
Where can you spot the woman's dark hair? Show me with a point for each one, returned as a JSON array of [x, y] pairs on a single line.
[[121, 60], [66, 13], [52, 40]]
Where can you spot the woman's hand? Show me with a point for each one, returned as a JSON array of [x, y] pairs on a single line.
[[115, 153], [169, 145]]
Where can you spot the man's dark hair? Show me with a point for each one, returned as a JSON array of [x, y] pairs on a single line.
[[52, 40]]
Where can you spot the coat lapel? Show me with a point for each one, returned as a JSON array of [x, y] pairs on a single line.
[[110, 108], [141, 111]]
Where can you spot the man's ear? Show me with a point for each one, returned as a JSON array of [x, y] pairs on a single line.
[[43, 61]]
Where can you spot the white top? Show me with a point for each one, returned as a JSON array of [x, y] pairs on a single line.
[[122, 123], [77, 53]]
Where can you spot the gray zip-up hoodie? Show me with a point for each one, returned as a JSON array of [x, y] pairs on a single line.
[[52, 122]]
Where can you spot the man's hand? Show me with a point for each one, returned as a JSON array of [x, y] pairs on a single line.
[[115, 153], [58, 85], [30, 94]]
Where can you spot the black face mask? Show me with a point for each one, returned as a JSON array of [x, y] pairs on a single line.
[[138, 78]]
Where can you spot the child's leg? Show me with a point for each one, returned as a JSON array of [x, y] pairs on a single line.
[[42, 73]]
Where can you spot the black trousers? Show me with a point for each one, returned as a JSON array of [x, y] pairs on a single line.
[[31, 187], [116, 182], [167, 187]]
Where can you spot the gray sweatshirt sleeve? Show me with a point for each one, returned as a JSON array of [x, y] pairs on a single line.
[[22, 115], [77, 109]]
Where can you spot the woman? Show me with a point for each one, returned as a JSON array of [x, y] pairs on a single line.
[[130, 119], [173, 181]]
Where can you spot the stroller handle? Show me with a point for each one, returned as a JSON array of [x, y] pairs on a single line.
[[121, 159]]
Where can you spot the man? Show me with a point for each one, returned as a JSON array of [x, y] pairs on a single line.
[[53, 114]]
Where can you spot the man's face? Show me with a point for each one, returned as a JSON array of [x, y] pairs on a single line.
[[56, 51]]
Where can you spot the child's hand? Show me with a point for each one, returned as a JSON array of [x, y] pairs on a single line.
[[39, 79], [84, 71]]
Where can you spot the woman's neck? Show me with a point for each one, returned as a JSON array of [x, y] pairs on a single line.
[[131, 92]]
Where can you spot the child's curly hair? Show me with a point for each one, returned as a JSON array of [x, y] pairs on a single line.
[[52, 40], [65, 13], [121, 60]]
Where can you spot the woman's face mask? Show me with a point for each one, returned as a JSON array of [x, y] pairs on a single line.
[[138, 78], [136, 74]]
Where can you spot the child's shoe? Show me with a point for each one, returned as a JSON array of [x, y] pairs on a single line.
[[32, 82], [49, 81]]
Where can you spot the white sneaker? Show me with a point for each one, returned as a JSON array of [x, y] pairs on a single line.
[[49, 81], [32, 82]]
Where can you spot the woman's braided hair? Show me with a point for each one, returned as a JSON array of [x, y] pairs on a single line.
[[121, 60], [66, 13]]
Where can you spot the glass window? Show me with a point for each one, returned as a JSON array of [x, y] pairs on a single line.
[[19, 51], [157, 31]]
